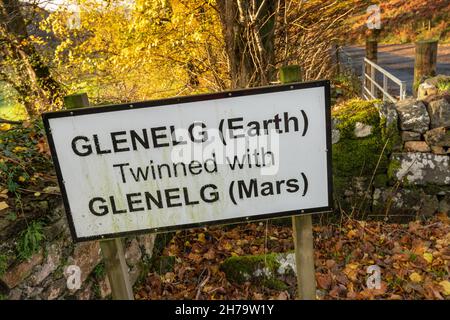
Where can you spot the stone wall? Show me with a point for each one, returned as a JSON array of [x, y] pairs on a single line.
[[388, 160], [393, 159], [48, 273]]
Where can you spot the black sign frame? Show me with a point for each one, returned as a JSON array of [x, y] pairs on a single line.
[[186, 99]]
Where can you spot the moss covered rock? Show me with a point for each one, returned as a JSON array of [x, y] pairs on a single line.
[[368, 133], [269, 270], [356, 154]]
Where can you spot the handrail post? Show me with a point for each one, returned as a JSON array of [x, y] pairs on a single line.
[[363, 78], [372, 84], [385, 87], [403, 91]]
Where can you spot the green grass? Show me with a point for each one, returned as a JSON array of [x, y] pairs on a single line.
[[30, 240], [444, 86]]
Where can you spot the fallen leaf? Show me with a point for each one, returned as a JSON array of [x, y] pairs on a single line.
[[19, 149], [415, 277], [3, 205], [51, 189], [324, 281], [43, 147], [201, 238], [169, 277], [195, 257], [228, 246], [443, 217], [210, 255], [428, 257], [352, 234], [445, 284], [351, 271]]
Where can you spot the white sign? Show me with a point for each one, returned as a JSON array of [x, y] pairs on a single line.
[[184, 162]]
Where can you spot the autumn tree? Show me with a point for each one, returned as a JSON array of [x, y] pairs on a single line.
[[120, 51], [21, 66], [248, 30], [260, 36], [149, 50]]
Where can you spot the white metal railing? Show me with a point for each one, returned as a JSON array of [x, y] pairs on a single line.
[[370, 85]]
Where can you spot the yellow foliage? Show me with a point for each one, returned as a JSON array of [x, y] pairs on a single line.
[[148, 50], [5, 126], [445, 284], [415, 277], [428, 257], [19, 149]]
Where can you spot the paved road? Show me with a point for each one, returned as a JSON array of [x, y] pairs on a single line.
[[399, 60]]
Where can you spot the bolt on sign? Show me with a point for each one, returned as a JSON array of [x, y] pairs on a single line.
[[191, 161]]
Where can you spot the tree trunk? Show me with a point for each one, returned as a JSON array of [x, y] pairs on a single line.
[[248, 30], [33, 72]]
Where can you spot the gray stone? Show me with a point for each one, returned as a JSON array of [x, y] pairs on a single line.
[[437, 79], [21, 271], [404, 202], [416, 146], [86, 256], [85, 293], [429, 205], [425, 89], [55, 290], [51, 264], [33, 292], [410, 136], [52, 231], [389, 201], [413, 115], [335, 122], [387, 111], [348, 193], [361, 185], [135, 273], [15, 294], [362, 130], [438, 137], [335, 136], [133, 253], [335, 133], [104, 287], [281, 268], [444, 205], [421, 168], [147, 242], [439, 111], [440, 150]]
